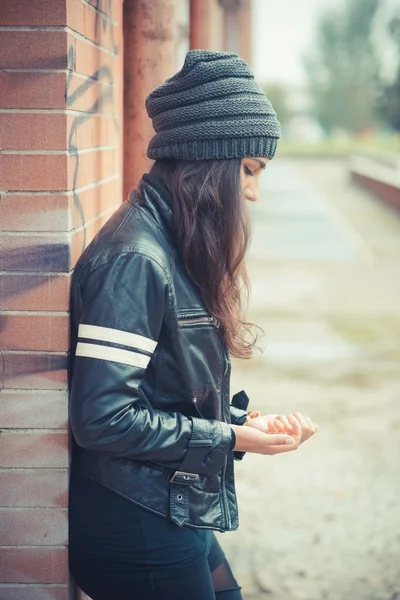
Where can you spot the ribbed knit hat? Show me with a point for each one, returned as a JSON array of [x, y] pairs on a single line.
[[211, 109]]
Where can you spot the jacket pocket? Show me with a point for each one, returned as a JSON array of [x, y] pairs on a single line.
[[206, 403], [197, 320], [197, 400]]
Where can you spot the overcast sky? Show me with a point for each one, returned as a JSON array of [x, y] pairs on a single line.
[[283, 31]]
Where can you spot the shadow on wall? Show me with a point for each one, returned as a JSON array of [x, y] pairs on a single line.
[[17, 367], [39, 258]]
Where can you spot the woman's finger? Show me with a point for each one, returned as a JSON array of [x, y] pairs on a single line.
[[297, 431], [285, 421], [278, 439], [280, 449], [313, 426], [304, 426], [272, 428], [279, 425], [302, 420], [295, 424]]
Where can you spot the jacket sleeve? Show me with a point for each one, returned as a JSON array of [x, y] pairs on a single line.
[[121, 312]]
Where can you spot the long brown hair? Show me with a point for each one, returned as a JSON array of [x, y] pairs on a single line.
[[212, 231]]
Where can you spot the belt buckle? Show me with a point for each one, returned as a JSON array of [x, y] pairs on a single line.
[[184, 478]]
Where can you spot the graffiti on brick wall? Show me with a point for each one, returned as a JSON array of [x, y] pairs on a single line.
[[52, 258], [105, 96], [103, 13]]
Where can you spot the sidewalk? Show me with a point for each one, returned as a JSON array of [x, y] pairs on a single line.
[[323, 523]]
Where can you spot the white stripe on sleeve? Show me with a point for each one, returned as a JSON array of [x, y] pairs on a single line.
[[126, 357], [117, 336]]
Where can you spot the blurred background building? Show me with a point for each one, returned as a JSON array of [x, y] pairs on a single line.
[[74, 75]]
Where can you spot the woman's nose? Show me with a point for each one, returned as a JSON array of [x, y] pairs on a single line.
[[251, 194]]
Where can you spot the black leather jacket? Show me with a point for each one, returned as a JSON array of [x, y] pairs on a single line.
[[149, 372]]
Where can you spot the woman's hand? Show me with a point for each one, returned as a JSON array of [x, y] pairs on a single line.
[[285, 424], [250, 439]]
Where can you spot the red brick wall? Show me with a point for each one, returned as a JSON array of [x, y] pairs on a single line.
[[60, 179]]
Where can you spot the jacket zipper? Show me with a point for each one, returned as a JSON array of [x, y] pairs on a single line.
[[195, 400], [198, 321], [224, 496]]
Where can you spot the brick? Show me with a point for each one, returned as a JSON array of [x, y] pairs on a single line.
[[33, 49], [93, 24], [32, 90], [33, 171], [34, 332], [80, 239], [37, 253], [34, 409], [34, 565], [24, 449], [34, 487], [33, 592], [34, 212], [31, 131], [109, 8], [34, 371], [91, 166], [33, 527], [91, 130], [34, 291], [95, 201], [92, 61], [24, 12]]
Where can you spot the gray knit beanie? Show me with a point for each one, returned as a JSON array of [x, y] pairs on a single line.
[[211, 109]]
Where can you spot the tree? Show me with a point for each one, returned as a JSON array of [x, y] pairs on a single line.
[[277, 95], [391, 95], [343, 71]]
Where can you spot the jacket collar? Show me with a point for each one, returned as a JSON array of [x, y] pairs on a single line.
[[156, 198]]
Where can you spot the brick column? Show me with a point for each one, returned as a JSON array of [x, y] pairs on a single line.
[[238, 27], [206, 24], [149, 38], [60, 179], [200, 23]]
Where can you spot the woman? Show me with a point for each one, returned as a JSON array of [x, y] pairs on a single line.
[[156, 310]]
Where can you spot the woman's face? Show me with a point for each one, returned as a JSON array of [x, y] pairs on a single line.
[[250, 174]]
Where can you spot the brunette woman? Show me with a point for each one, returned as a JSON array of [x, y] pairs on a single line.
[[157, 310]]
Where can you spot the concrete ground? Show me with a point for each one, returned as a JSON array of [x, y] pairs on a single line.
[[323, 523]]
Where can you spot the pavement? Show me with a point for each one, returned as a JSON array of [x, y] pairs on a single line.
[[322, 523]]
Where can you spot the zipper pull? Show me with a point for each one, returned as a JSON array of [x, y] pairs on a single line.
[[215, 322]]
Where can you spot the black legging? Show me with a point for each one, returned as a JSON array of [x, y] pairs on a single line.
[[119, 551], [199, 585]]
